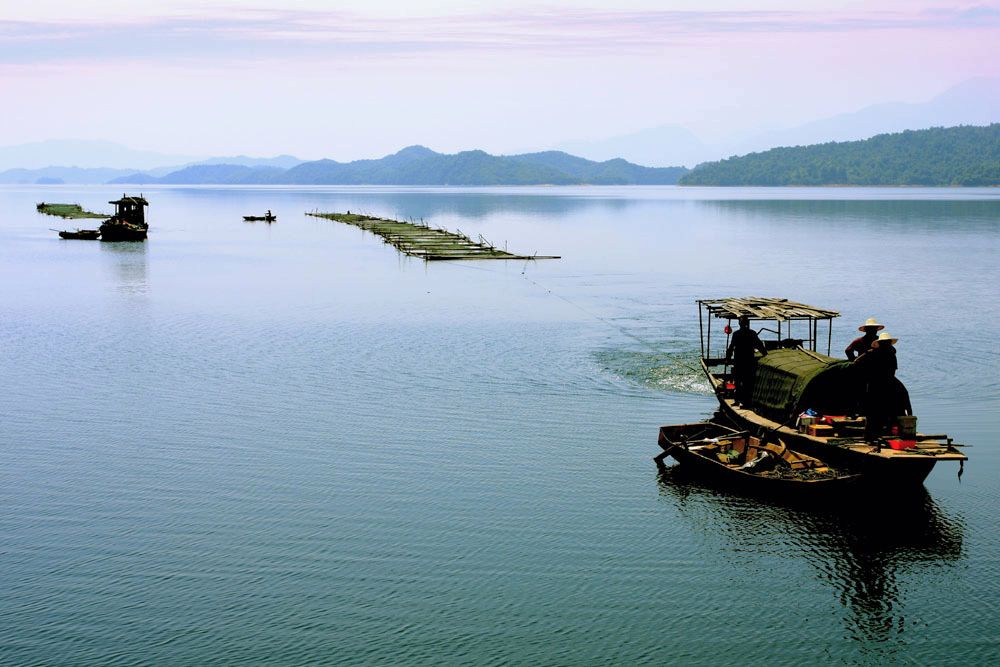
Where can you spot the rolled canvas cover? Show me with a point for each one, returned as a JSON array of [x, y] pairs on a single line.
[[791, 380]]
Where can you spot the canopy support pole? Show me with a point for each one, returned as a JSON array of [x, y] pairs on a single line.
[[701, 332]]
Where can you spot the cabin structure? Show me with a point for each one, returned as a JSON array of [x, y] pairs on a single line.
[[794, 374], [129, 221], [779, 313], [131, 209]]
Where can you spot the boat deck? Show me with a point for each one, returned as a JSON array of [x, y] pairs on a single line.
[[931, 448]]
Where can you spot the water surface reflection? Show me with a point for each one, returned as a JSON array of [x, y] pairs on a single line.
[[870, 549], [964, 216], [126, 263]]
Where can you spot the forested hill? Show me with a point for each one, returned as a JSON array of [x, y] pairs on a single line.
[[954, 156], [417, 165]]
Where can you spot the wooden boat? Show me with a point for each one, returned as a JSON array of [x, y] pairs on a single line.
[[269, 217], [82, 234], [129, 221], [741, 461], [794, 377]]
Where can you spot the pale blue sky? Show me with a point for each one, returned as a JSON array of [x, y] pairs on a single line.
[[359, 79]]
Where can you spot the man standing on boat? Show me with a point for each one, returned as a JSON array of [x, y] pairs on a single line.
[[741, 354], [863, 344], [879, 370]]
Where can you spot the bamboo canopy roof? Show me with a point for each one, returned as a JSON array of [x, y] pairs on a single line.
[[765, 308], [138, 201]]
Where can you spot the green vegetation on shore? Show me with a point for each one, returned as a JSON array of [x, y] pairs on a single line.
[[954, 156], [417, 165], [68, 211]]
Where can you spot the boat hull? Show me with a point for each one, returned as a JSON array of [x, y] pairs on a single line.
[[894, 471], [115, 233], [81, 235], [673, 442]]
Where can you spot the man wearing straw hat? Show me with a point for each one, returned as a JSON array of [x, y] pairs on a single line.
[[879, 369], [863, 344]]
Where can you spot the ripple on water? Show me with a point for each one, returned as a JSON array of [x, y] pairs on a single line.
[[283, 446], [665, 371]]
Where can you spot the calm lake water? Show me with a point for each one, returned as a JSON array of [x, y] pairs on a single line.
[[248, 444]]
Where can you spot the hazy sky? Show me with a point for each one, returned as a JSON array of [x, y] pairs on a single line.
[[362, 79]]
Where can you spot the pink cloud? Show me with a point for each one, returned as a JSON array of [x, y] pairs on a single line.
[[311, 34]]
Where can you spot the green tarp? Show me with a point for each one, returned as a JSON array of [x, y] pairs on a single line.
[[791, 380]]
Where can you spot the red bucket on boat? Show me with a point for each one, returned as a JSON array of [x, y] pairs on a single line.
[[902, 444]]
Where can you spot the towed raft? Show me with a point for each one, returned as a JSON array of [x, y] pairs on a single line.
[[794, 380], [67, 211], [738, 460]]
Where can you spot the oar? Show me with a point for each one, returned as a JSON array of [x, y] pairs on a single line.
[[774, 430]]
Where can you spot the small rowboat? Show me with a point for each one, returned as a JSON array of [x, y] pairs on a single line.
[[260, 218], [82, 234], [741, 461]]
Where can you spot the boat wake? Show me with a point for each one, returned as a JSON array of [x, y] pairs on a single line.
[[666, 371]]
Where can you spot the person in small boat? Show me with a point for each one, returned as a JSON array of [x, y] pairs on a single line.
[[863, 344], [878, 368], [741, 354]]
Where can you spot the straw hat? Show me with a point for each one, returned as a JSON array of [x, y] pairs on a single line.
[[884, 337], [871, 322]]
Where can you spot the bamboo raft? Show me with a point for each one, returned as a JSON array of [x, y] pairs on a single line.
[[68, 211], [426, 242]]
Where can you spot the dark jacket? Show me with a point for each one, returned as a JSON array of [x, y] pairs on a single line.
[[878, 367], [742, 346]]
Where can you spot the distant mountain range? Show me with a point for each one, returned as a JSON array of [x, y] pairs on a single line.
[[417, 165], [79, 156], [973, 102], [61, 175], [655, 146], [104, 174], [954, 156], [85, 154]]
